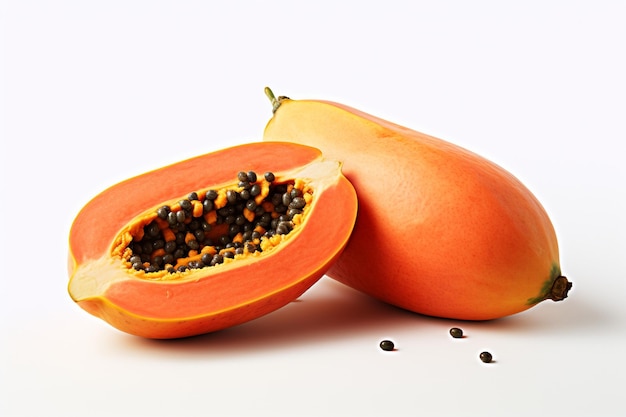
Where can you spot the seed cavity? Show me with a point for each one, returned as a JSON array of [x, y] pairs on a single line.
[[215, 226]]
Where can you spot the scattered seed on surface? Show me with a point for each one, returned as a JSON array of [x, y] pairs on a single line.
[[387, 345], [486, 357], [456, 332]]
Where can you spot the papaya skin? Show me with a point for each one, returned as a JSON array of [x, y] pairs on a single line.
[[212, 298], [441, 231]]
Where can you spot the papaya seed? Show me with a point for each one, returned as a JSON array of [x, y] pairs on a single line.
[[456, 332], [251, 176], [387, 345], [486, 357], [211, 195]]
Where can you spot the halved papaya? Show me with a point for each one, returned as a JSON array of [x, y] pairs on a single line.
[[210, 242]]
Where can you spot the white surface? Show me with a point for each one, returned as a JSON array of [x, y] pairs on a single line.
[[95, 92]]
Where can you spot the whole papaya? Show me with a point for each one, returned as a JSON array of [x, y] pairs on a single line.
[[440, 231]]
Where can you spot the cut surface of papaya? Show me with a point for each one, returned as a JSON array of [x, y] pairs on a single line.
[[210, 242], [441, 230]]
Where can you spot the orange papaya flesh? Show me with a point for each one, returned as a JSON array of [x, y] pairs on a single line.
[[258, 243], [441, 231]]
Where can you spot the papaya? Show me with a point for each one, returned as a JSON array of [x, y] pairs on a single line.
[[212, 241], [441, 231]]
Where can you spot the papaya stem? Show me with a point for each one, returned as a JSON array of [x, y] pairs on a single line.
[[275, 102], [560, 288]]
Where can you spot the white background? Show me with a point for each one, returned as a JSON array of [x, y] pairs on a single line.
[[97, 91]]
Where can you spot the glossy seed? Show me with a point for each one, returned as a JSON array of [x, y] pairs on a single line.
[[231, 196], [269, 177], [242, 176], [486, 357], [162, 212], [456, 332], [211, 195], [387, 345], [255, 190], [252, 176], [297, 203], [185, 204]]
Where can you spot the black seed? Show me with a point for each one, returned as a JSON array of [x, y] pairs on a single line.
[[182, 268], [233, 229], [252, 177], [158, 244], [168, 258], [134, 259], [180, 238], [185, 204], [456, 332], [206, 258], [255, 190], [162, 212], [193, 244], [284, 227], [286, 199], [193, 225], [180, 216], [152, 230], [228, 254], [226, 211], [242, 176], [297, 203], [217, 259], [485, 357], [295, 192], [259, 211], [199, 235], [205, 226], [231, 196], [269, 177], [211, 195], [172, 218], [193, 196], [276, 199], [244, 194], [158, 261], [251, 204], [387, 345], [292, 212]]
